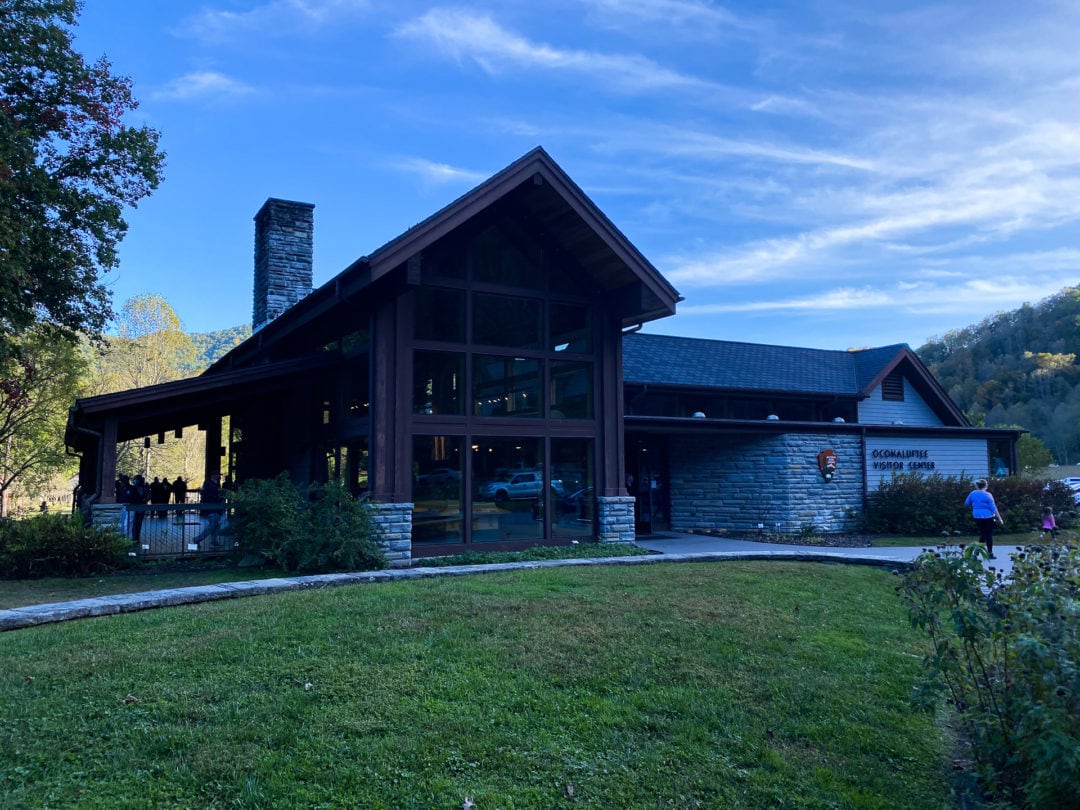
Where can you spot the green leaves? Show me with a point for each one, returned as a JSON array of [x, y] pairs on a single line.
[[36, 390], [330, 531], [1007, 653], [927, 505], [58, 545], [69, 165]]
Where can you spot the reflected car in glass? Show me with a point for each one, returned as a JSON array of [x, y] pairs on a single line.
[[519, 486], [440, 475]]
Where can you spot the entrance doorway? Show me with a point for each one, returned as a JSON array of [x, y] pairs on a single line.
[[647, 480]]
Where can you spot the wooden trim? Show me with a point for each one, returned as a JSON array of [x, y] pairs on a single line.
[[107, 472], [381, 469]]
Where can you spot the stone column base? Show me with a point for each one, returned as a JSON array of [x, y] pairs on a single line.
[[106, 515], [393, 531], [615, 519]]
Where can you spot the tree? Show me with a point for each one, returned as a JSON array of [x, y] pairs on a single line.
[[34, 400], [1019, 367], [151, 348], [1033, 454], [68, 167]]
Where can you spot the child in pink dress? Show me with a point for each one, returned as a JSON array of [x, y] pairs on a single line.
[[1049, 524]]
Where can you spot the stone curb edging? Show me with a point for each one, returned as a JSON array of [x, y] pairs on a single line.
[[17, 618]]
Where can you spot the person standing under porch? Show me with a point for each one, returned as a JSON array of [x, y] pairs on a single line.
[[179, 490], [138, 494], [985, 513], [213, 507], [159, 494]]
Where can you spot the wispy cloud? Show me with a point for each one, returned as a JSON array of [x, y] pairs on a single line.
[[434, 173], [966, 295], [463, 35], [924, 193], [203, 85], [670, 13], [705, 146], [274, 18], [786, 105]]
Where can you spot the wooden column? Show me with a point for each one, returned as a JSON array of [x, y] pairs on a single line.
[[213, 448], [610, 458], [107, 469], [383, 403]]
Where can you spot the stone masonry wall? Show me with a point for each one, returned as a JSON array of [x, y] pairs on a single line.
[[393, 531], [284, 233], [736, 483], [615, 519], [108, 515]]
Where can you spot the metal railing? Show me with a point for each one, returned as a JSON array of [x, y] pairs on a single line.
[[159, 531]]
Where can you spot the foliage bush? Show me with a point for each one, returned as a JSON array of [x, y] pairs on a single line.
[[340, 533], [329, 531], [919, 505], [1006, 653], [266, 517], [58, 545]]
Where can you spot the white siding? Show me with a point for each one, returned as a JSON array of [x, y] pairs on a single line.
[[952, 457], [912, 411]]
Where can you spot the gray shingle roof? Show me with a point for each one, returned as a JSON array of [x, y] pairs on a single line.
[[700, 363]]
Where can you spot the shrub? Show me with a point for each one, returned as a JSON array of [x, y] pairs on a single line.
[[266, 519], [58, 545], [1021, 500], [340, 532], [914, 504], [330, 531], [1006, 653], [921, 505]]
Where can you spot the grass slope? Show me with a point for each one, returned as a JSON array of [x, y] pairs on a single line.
[[743, 684]]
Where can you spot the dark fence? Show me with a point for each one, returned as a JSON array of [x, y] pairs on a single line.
[[190, 529]]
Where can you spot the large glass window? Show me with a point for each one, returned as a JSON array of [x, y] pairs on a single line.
[[572, 477], [509, 495], [565, 275], [438, 379], [571, 328], [323, 396], [506, 386], [440, 314], [438, 506], [502, 254], [358, 387], [446, 260], [347, 463], [571, 390], [503, 320], [1000, 455]]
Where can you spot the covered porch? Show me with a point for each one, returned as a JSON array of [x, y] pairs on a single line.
[[98, 426]]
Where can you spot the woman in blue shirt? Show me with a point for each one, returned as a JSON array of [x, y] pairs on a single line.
[[985, 513]]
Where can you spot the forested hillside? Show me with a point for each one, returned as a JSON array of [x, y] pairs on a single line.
[[209, 346], [1018, 368]]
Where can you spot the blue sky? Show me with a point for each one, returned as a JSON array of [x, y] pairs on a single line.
[[825, 174]]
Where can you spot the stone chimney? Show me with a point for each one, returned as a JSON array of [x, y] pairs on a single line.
[[283, 249]]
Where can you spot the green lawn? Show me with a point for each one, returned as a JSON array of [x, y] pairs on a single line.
[[1000, 538], [181, 574], [22, 592], [736, 684]]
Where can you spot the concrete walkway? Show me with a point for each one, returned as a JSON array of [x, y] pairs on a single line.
[[672, 543], [667, 548]]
